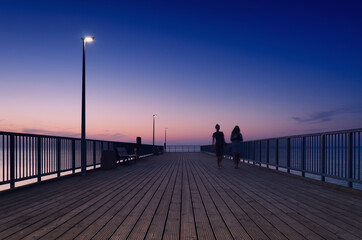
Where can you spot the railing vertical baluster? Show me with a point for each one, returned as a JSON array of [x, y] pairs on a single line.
[[3, 151], [335, 159], [12, 161], [94, 154], [259, 153], [303, 155], [58, 156], [288, 155], [39, 149], [359, 156], [267, 153], [277, 154], [323, 159], [350, 158], [247, 152], [254, 152], [73, 156], [22, 148]]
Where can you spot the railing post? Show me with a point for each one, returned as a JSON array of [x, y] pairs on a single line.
[[260, 153], [58, 156], [323, 160], [39, 159], [254, 152], [248, 152], [303, 156], [73, 156], [12, 161], [267, 153], [350, 159], [94, 154], [277, 154], [288, 155]]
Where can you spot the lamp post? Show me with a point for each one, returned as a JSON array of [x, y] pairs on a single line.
[[165, 139], [153, 141], [83, 141]]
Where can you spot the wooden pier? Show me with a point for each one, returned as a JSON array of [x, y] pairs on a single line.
[[181, 196]]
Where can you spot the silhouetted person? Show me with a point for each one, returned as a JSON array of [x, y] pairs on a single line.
[[218, 141], [236, 139]]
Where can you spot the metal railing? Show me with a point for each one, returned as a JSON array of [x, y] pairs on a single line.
[[183, 148], [31, 156], [335, 155]]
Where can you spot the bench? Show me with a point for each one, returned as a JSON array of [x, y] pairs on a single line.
[[122, 154]]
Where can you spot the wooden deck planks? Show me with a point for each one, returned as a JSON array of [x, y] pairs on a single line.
[[188, 230], [107, 223], [269, 215], [218, 225], [84, 217], [156, 228], [202, 222], [173, 220], [308, 206], [181, 196], [145, 209]]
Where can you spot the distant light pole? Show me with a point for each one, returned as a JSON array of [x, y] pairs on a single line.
[[153, 142], [83, 141], [165, 139]]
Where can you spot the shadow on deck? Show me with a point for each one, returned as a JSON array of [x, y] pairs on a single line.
[[178, 196]]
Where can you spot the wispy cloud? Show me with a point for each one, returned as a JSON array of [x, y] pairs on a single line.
[[105, 136], [318, 117], [52, 133], [326, 116]]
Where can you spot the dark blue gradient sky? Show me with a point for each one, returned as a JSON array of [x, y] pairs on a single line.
[[273, 67]]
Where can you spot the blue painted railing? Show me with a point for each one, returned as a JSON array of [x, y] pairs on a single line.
[[32, 156], [328, 155]]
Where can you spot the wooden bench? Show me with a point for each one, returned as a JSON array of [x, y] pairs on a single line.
[[123, 155]]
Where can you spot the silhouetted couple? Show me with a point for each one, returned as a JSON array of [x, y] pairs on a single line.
[[218, 140]]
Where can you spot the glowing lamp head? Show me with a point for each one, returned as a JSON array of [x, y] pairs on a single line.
[[88, 39]]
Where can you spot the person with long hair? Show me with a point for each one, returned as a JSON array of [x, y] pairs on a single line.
[[236, 139], [218, 141]]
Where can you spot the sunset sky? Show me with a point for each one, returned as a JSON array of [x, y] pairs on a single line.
[[274, 68]]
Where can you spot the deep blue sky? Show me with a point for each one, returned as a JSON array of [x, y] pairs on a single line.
[[273, 67]]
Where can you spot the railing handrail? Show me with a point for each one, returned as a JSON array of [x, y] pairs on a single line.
[[64, 137], [308, 135]]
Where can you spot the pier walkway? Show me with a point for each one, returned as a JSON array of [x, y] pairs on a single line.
[[181, 196]]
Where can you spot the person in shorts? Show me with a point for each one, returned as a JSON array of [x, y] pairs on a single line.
[[218, 141]]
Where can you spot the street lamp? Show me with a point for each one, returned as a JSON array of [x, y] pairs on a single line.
[[165, 139], [83, 141], [153, 142]]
